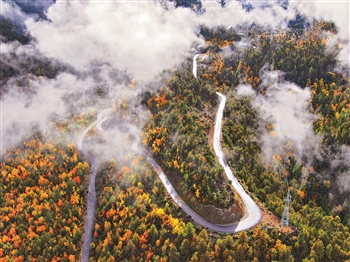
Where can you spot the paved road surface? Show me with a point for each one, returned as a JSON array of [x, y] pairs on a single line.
[[252, 214], [91, 191]]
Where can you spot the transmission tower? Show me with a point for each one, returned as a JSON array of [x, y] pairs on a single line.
[[285, 216]]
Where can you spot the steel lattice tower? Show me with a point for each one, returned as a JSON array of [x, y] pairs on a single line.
[[285, 216]]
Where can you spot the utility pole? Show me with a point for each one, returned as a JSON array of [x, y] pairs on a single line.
[[285, 216]]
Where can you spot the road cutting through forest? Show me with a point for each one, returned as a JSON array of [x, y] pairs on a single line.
[[252, 214], [91, 191]]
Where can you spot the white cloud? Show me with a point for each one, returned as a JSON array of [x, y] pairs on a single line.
[[336, 11], [285, 107], [11, 11], [21, 112], [141, 37], [245, 90]]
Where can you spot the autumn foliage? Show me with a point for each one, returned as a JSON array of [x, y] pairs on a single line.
[[42, 202]]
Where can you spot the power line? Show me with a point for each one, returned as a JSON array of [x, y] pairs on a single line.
[[285, 216]]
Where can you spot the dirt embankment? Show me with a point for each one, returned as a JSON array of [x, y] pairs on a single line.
[[211, 213]]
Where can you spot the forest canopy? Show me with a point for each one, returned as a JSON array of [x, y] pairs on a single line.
[[285, 129]]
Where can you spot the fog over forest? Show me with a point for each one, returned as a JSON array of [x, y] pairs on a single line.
[[96, 41], [285, 124]]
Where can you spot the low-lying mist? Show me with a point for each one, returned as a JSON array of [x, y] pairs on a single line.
[[286, 129], [287, 123], [107, 51]]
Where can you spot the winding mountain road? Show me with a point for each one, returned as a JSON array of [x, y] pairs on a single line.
[[91, 191], [252, 211], [194, 70], [252, 214]]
